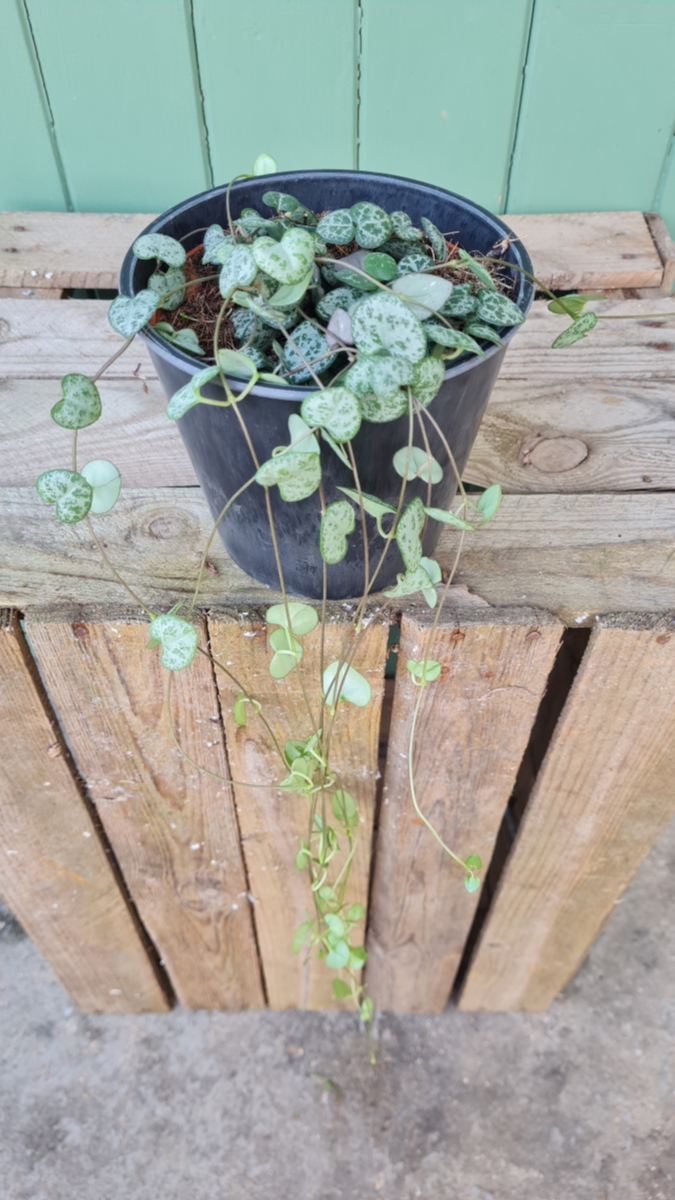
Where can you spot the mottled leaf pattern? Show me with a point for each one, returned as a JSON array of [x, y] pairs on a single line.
[[578, 329], [337, 227], [436, 239], [80, 404], [408, 530], [461, 303], [335, 409], [158, 245], [188, 395], [69, 491], [336, 523], [170, 287], [128, 314], [287, 261], [382, 322], [452, 338], [177, 638], [427, 379], [214, 237], [341, 297], [403, 227], [309, 346], [372, 225], [238, 270], [496, 309]]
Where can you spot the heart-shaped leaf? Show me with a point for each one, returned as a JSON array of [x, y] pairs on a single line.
[[105, 483], [341, 990], [478, 270], [380, 266], [427, 379], [296, 472], [575, 331], [177, 638], [341, 682], [399, 249], [461, 303], [335, 409], [403, 227], [307, 349], [264, 165], [235, 362], [388, 373], [289, 206], [471, 883], [376, 508], [158, 245], [350, 272], [69, 491], [339, 331], [342, 297], [372, 225], [287, 653], [420, 464], [412, 264], [477, 329], [238, 270], [448, 518], [436, 240], [189, 394], [345, 810], [128, 314], [381, 409], [423, 672], [383, 322], [290, 294], [337, 521], [422, 294], [303, 618], [488, 503], [337, 227], [418, 580], [408, 530], [80, 404], [186, 339], [170, 288], [338, 956], [287, 261], [452, 338], [214, 237], [572, 305], [496, 309]]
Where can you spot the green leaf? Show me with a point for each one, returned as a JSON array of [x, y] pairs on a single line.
[[422, 294], [308, 346], [235, 362], [408, 529], [578, 329], [357, 957], [128, 314], [348, 271], [478, 270], [418, 580], [448, 518], [489, 502], [336, 448], [342, 297], [344, 809], [296, 475], [572, 305], [337, 521], [380, 266], [338, 957], [287, 654], [420, 465], [337, 227], [403, 227], [341, 990], [355, 913], [381, 409], [69, 491], [264, 165], [300, 936], [471, 883], [476, 329], [238, 270], [170, 288], [412, 264], [80, 404], [438, 242], [178, 640], [288, 205], [158, 245], [427, 379], [498, 310], [186, 339], [104, 481], [351, 685], [239, 710], [302, 438], [372, 225], [425, 671], [474, 862], [303, 617], [189, 394], [287, 261], [383, 322], [336, 924], [461, 303], [290, 294], [373, 506], [214, 237], [452, 338], [432, 569], [388, 373], [335, 409]]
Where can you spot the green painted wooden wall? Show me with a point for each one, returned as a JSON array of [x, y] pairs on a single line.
[[524, 105]]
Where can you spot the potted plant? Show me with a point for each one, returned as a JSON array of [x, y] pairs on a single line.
[[328, 342]]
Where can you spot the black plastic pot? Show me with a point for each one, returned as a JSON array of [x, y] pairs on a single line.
[[213, 437]]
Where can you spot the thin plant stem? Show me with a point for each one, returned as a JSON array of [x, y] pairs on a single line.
[[148, 612]]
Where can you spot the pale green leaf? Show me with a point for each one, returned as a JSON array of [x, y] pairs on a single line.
[[290, 294], [264, 165], [380, 266], [69, 491], [345, 683], [342, 297], [452, 338], [170, 288], [436, 239], [343, 807], [420, 464], [427, 379], [178, 640], [578, 329], [412, 264], [338, 956], [422, 294], [462, 302], [414, 581], [189, 394], [287, 654], [341, 990], [128, 314], [80, 404], [488, 503], [296, 475], [471, 883], [477, 329], [238, 270], [448, 518], [303, 617], [235, 362], [474, 862], [572, 305], [336, 522], [403, 228], [382, 322], [425, 671], [307, 349], [105, 482], [158, 245], [335, 409], [287, 261], [186, 339], [374, 507], [214, 237], [478, 270], [381, 409], [408, 530]]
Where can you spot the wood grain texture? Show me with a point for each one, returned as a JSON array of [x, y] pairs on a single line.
[[665, 247], [604, 793], [472, 730], [47, 340], [271, 821], [30, 293], [54, 871], [588, 250], [572, 555], [66, 250], [173, 829]]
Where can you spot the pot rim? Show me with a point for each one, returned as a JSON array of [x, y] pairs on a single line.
[[297, 393]]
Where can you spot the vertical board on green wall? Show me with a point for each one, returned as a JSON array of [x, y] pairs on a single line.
[[122, 86], [598, 106], [665, 197], [279, 77], [440, 84], [29, 174]]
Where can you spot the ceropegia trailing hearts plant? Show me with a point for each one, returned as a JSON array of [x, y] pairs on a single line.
[[366, 309]]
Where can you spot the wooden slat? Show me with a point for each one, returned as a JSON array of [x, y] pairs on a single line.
[[472, 730], [54, 871], [573, 555], [271, 821], [47, 340], [604, 793], [28, 293], [665, 247], [583, 251], [65, 250], [173, 828]]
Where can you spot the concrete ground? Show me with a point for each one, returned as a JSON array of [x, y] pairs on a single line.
[[573, 1104]]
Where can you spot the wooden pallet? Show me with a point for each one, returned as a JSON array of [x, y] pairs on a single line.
[[548, 737]]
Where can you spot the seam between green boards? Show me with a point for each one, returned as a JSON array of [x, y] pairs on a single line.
[[24, 18], [197, 75], [518, 108], [665, 169], [358, 58]]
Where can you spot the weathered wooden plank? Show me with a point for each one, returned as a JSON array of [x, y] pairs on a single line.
[[472, 729], [271, 821], [573, 555], [47, 340], [604, 793], [28, 293], [173, 828], [665, 247], [54, 871], [589, 250], [66, 250]]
